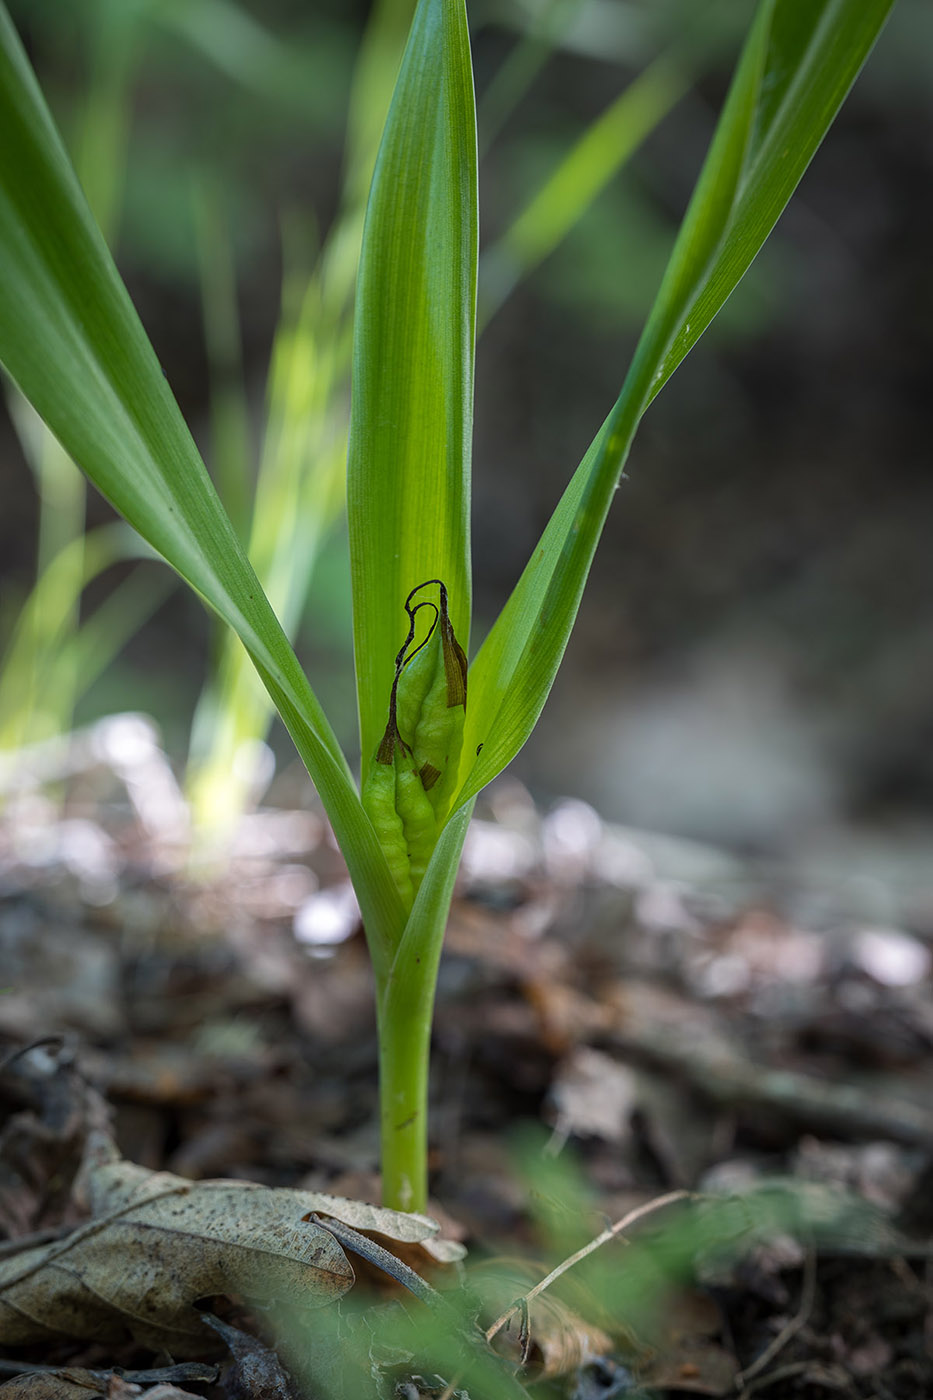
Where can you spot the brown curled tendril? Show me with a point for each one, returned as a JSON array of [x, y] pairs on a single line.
[[455, 661], [386, 751]]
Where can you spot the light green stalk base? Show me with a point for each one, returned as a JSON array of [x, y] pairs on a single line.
[[404, 1056], [405, 1002]]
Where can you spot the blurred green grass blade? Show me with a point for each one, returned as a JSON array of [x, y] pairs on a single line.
[[231, 437], [71, 340], [374, 77], [298, 497], [45, 638], [51, 616], [239, 44], [585, 171], [103, 131], [115, 622], [543, 33], [797, 65], [814, 54], [412, 402], [301, 486]]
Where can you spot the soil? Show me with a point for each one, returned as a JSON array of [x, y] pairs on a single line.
[[621, 1019]]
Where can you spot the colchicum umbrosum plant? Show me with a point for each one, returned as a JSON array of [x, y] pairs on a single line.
[[433, 731]]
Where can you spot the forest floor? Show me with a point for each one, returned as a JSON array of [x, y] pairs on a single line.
[[727, 1064]]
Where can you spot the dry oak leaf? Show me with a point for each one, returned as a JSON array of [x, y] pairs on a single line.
[[157, 1242], [57, 1385], [72, 1383]]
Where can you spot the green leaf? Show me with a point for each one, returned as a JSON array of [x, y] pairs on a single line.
[[412, 404], [71, 340], [798, 63], [300, 488], [814, 53]]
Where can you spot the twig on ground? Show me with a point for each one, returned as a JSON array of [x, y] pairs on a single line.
[[800, 1318], [782, 1373], [612, 1233], [722, 1071], [41, 1042]]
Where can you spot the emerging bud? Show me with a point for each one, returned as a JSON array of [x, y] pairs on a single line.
[[413, 775]]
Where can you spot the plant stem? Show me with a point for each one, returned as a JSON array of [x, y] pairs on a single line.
[[404, 1054], [405, 1007]]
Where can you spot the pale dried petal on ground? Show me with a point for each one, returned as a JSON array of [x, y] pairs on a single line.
[[594, 1096]]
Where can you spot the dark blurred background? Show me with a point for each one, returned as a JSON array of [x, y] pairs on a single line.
[[752, 663]]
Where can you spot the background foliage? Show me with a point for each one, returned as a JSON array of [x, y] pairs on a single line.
[[758, 605]]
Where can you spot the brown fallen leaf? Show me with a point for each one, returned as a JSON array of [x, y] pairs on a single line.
[[686, 1354], [697, 1366], [442, 1248], [73, 1383], [58, 1385], [157, 1243], [77, 1383], [256, 1370]]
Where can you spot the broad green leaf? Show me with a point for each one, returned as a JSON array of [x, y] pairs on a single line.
[[412, 401], [300, 489], [71, 340], [798, 63]]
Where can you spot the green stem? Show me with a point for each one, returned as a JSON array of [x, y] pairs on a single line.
[[404, 1059], [405, 1006]]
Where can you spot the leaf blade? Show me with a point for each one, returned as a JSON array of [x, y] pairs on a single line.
[[793, 74], [411, 408], [797, 113], [71, 340]]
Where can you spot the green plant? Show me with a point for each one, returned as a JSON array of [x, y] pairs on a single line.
[[54, 654], [289, 511], [44, 666], [70, 339], [299, 491]]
